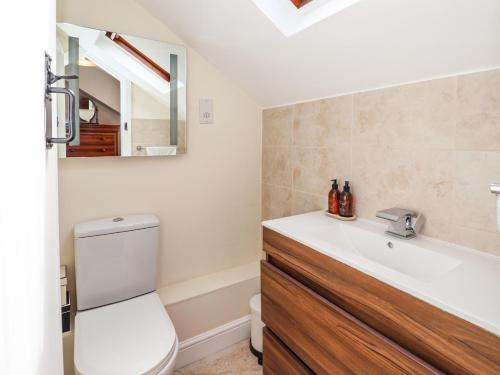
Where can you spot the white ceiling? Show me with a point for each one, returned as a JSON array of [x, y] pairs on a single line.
[[374, 43]]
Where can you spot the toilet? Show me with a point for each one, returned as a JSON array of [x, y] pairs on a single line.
[[121, 326]]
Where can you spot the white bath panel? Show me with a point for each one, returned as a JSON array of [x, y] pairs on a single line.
[[213, 341]]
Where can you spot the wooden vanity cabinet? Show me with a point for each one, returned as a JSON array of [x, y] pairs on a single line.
[[329, 318], [96, 140], [280, 359]]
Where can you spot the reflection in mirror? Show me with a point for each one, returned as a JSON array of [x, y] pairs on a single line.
[[88, 110], [131, 91]]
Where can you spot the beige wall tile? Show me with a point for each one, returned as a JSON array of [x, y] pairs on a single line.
[[277, 124], [382, 117], [155, 132], [419, 114], [409, 148], [478, 239], [382, 177], [433, 113], [304, 202], [149, 132], [480, 132], [276, 201], [277, 166], [474, 205], [323, 122], [313, 168], [433, 189], [478, 126], [442, 229]]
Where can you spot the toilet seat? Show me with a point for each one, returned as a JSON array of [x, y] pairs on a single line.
[[130, 337]]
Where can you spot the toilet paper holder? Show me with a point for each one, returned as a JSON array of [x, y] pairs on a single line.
[[495, 188]]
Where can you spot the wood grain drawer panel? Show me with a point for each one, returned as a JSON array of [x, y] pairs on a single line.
[[447, 342], [327, 339], [83, 151], [98, 139], [279, 360]]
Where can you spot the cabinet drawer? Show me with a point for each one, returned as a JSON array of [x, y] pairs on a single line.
[[279, 359], [83, 150], [98, 139], [443, 340], [327, 339]]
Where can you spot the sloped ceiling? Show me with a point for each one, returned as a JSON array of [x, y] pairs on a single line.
[[374, 43]]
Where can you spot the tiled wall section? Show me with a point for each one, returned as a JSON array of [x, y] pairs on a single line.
[[432, 146], [156, 132]]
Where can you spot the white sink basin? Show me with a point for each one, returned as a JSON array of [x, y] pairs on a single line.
[[404, 256], [454, 278], [400, 255]]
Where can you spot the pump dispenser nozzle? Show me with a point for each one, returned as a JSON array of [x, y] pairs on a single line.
[[347, 188]]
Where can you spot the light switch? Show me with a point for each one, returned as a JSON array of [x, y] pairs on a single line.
[[206, 111]]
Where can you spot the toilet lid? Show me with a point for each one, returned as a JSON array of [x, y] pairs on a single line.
[[130, 337]]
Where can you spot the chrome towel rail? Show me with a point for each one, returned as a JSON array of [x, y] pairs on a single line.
[[51, 78], [495, 188]]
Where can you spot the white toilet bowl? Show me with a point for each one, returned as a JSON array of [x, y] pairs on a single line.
[[133, 337], [121, 327]]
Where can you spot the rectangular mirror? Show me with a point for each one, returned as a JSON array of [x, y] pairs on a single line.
[[131, 93]]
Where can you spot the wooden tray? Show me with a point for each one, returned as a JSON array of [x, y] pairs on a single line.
[[343, 218]]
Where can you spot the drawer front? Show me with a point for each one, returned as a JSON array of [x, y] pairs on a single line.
[[279, 360], [326, 338], [97, 139], [88, 151], [445, 341]]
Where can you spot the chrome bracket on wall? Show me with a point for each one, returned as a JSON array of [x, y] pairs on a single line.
[[495, 188], [50, 79]]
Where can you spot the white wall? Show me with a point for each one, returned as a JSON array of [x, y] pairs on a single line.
[[370, 45], [208, 200], [30, 320], [144, 105], [101, 85]]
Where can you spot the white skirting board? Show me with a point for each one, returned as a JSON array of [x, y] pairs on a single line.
[[213, 341]]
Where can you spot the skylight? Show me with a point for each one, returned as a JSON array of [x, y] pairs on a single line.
[[292, 16], [300, 3]]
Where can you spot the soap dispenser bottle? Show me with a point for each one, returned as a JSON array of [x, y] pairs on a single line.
[[334, 198], [345, 202]]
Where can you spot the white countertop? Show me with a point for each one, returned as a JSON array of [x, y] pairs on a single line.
[[470, 290]]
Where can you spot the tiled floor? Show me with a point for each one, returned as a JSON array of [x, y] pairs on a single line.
[[236, 359]]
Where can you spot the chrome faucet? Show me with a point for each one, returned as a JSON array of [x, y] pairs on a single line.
[[403, 223]]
